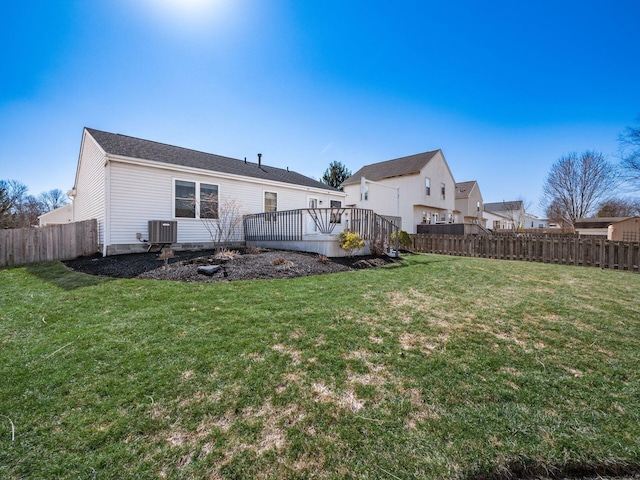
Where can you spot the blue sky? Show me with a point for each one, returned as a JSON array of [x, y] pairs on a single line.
[[504, 88]]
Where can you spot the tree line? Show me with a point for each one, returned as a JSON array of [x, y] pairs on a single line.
[[581, 185], [18, 209]]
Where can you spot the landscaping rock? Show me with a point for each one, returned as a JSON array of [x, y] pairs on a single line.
[[208, 269]]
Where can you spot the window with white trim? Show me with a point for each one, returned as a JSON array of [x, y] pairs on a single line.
[[427, 186], [208, 201], [336, 217], [270, 202], [185, 204], [442, 191], [185, 199]]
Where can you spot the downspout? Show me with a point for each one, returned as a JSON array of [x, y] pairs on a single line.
[[107, 207]]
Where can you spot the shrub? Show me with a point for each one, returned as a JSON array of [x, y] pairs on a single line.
[[165, 255], [226, 255], [350, 241], [278, 261], [376, 247], [322, 258], [404, 239]]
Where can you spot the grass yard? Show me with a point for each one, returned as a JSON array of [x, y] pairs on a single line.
[[434, 368]]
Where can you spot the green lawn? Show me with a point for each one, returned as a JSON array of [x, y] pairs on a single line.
[[437, 368]]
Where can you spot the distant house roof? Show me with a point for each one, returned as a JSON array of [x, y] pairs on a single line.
[[598, 222], [504, 206], [392, 168], [463, 189], [123, 145]]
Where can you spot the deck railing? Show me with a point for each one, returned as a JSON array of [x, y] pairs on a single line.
[[291, 225]]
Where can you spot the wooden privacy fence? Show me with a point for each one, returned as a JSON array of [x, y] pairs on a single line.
[[565, 250], [45, 244]]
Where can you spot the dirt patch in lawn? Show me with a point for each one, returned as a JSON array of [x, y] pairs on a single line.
[[238, 265]]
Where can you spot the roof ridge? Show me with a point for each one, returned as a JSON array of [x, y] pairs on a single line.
[[135, 147], [432, 152], [166, 144]]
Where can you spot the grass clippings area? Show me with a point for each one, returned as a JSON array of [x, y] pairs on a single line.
[[434, 367]]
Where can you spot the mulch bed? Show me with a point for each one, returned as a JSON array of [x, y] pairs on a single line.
[[243, 265]]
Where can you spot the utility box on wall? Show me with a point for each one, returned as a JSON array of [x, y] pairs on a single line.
[[163, 231]]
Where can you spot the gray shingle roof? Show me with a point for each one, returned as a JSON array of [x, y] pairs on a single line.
[[392, 168], [504, 206], [598, 222], [123, 145], [464, 188]]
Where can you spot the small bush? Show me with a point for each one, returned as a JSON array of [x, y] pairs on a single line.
[[376, 247], [165, 255], [226, 255], [254, 250], [281, 263], [278, 261], [322, 258], [350, 241], [404, 239]]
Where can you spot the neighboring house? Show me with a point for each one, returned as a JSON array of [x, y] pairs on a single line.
[[124, 182], [510, 215], [418, 189], [60, 215], [469, 202], [497, 221], [614, 228], [627, 230]]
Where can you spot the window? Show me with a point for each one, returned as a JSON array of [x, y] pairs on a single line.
[[336, 217], [270, 202], [185, 199], [366, 194], [186, 194], [442, 188], [427, 184], [478, 206], [208, 201]]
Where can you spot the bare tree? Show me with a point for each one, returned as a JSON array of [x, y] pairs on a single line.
[[13, 195], [53, 199], [28, 212], [576, 184], [556, 213], [619, 207], [629, 142], [221, 219]]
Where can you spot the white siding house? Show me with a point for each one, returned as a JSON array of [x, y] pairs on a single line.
[[58, 216], [418, 189], [124, 182]]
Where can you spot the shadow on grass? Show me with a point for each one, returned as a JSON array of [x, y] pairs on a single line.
[[528, 470], [57, 274]]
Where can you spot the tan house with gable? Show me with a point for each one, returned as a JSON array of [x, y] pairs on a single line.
[[418, 188], [619, 229], [469, 202]]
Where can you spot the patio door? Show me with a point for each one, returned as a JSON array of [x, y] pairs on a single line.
[[312, 202]]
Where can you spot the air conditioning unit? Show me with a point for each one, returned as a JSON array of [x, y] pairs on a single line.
[[163, 231]]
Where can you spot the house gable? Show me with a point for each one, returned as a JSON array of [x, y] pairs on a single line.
[[410, 165]]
